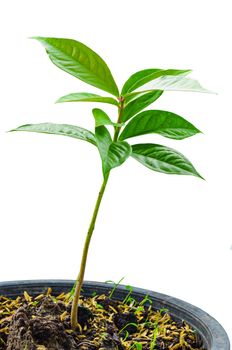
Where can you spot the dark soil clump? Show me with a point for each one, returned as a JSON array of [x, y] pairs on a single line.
[[43, 323]]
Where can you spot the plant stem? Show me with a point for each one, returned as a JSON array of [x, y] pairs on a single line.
[[80, 278], [120, 113]]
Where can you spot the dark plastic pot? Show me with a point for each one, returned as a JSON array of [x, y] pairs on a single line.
[[212, 333]]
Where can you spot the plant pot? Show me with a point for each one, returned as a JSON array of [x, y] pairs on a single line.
[[212, 333]]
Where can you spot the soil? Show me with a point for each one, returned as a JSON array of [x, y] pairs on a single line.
[[43, 323]]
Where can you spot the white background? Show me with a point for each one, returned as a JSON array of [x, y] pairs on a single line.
[[171, 234]]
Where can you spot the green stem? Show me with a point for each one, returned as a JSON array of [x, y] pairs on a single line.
[[120, 113], [80, 278]]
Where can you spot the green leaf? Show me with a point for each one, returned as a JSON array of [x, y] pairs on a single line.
[[80, 61], [173, 83], [59, 129], [140, 103], [112, 154], [164, 123], [144, 76], [133, 96], [101, 118], [86, 97], [163, 159], [118, 152], [104, 141]]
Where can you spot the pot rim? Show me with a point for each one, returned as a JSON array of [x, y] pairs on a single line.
[[213, 334]]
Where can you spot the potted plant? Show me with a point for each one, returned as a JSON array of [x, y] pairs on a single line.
[[111, 139]]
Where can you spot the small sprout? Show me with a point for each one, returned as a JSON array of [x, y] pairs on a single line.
[[127, 325], [138, 310], [131, 301], [72, 291], [126, 335], [128, 295], [125, 332], [163, 310], [145, 300], [115, 286], [138, 346], [154, 336]]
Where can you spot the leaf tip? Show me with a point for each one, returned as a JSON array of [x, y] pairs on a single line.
[[201, 177], [35, 37], [41, 39], [59, 100], [15, 129], [210, 92]]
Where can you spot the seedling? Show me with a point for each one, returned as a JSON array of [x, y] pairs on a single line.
[[146, 300], [139, 91], [154, 336], [124, 329], [116, 284], [128, 294]]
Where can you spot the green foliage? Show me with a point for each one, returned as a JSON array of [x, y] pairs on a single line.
[[139, 103], [72, 292], [124, 329], [163, 310], [163, 159], [142, 77], [80, 61], [59, 129], [139, 91], [146, 300], [101, 118], [174, 83], [86, 97], [163, 123], [113, 153], [115, 285], [130, 289]]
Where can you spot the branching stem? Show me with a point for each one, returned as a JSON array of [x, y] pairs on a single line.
[[80, 278]]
